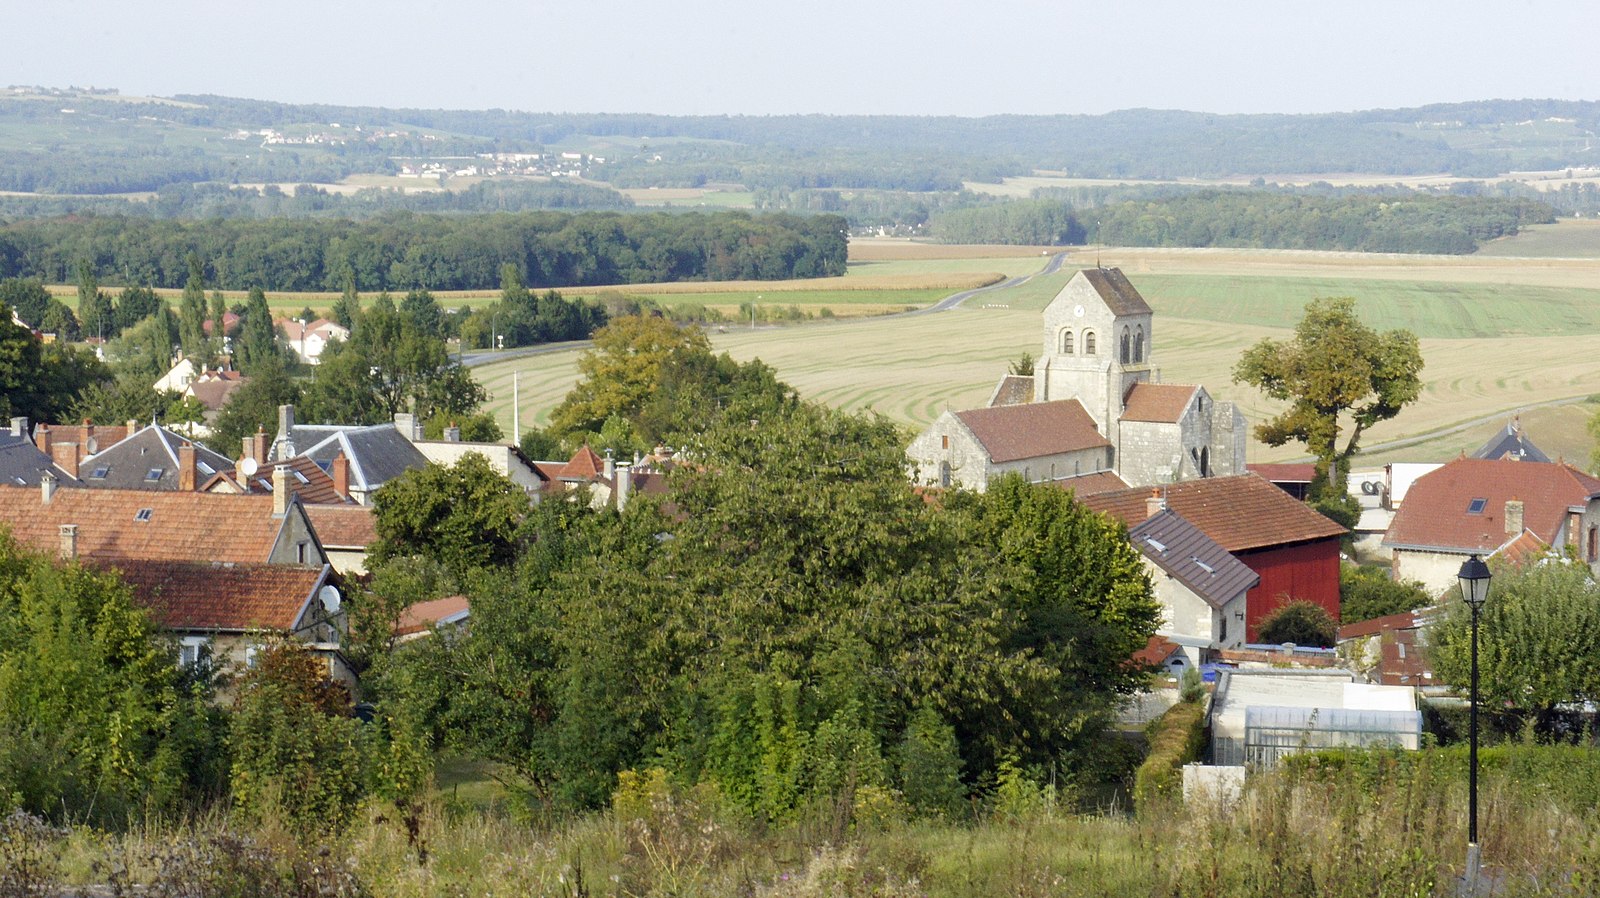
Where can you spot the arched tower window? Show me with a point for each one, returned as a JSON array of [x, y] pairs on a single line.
[[1066, 342], [1138, 344], [1127, 346], [1088, 343]]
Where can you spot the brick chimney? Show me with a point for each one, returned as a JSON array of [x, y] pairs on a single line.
[[258, 447], [132, 425], [282, 490], [47, 487], [340, 471], [41, 438], [1154, 504], [89, 445], [1514, 524], [66, 456], [69, 541], [186, 468]]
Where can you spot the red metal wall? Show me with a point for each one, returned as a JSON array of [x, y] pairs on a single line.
[[1308, 571]]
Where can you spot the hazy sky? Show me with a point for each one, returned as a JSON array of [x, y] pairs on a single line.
[[864, 56]]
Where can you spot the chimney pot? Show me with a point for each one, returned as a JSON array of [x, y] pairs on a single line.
[[1154, 504], [69, 541]]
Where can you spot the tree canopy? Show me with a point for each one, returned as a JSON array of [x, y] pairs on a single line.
[[1334, 366]]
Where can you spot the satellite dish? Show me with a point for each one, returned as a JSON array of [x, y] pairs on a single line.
[[330, 598], [248, 467]]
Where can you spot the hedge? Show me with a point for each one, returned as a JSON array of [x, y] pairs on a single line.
[[1176, 739]]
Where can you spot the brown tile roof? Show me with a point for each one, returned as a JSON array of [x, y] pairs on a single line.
[[1118, 293], [1437, 513], [223, 596], [313, 485], [179, 526], [343, 526], [1525, 548], [1159, 403], [1296, 473], [423, 615], [1089, 484], [214, 394], [1013, 389], [1156, 651], [1240, 512], [1014, 432]]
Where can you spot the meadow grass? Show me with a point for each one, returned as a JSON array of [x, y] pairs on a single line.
[[1567, 238]]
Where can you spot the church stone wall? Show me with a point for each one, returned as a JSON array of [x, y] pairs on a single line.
[[947, 454], [1228, 433]]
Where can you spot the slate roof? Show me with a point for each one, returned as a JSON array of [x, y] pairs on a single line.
[[1013, 389], [1192, 558], [377, 454], [1118, 293], [1240, 513], [1438, 515], [178, 526], [22, 464], [343, 526], [129, 464], [221, 596], [1089, 484], [1158, 403], [1015, 432], [311, 483], [1511, 441]]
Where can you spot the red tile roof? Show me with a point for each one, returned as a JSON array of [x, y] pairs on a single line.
[[423, 615], [1156, 651], [1525, 548], [1437, 513], [1015, 432], [1158, 403], [1089, 484], [1239, 513], [179, 526], [1299, 473], [104, 436], [210, 597], [584, 465], [317, 488], [343, 526]]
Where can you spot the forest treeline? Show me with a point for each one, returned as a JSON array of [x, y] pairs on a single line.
[[404, 251], [1415, 223]]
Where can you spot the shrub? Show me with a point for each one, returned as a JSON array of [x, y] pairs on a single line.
[[1176, 739], [1369, 592], [1299, 622], [930, 765]]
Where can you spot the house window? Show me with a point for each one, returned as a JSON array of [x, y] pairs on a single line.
[[1066, 342], [99, 473], [1088, 343], [1223, 636], [944, 441], [191, 649], [944, 473], [144, 514], [1127, 346], [153, 474], [300, 553], [1594, 543], [1476, 506], [1138, 344]]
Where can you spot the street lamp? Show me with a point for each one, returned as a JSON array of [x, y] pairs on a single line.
[[1474, 576]]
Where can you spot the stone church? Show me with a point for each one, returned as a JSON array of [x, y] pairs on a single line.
[[1094, 415]]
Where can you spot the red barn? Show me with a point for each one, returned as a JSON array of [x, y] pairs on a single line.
[[1293, 549]]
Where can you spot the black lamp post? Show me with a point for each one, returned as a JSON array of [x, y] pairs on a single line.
[[1474, 578]]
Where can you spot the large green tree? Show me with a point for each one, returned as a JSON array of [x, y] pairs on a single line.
[[192, 315], [464, 516], [258, 336], [28, 297], [252, 407], [1335, 368]]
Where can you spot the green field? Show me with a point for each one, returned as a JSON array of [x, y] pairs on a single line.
[[847, 301], [1568, 238]]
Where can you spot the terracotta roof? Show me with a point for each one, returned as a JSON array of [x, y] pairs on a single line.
[[1439, 511], [585, 465], [1402, 658], [1013, 389], [1015, 432], [425, 615], [214, 394], [1192, 558], [1299, 473], [1240, 512], [343, 526], [230, 323], [312, 484], [1525, 548], [328, 329], [170, 526], [1156, 651], [1118, 293], [1159, 403], [1376, 625], [1089, 484], [222, 596]]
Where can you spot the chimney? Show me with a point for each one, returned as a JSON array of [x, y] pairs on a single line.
[[340, 469], [66, 456], [282, 490], [1514, 517], [258, 448], [452, 433], [41, 438], [132, 425], [624, 485], [283, 443], [186, 468], [47, 487], [19, 427], [610, 466], [1154, 504], [69, 541], [406, 424]]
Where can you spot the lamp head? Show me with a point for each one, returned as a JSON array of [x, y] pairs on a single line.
[[1474, 578]]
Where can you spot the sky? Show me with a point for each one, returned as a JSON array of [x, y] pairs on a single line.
[[974, 57]]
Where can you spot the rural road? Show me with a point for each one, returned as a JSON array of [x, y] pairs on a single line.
[[482, 357]]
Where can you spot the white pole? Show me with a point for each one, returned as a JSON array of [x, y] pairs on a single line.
[[516, 409]]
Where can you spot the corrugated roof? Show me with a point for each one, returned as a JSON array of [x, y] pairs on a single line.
[[1015, 432], [1158, 403], [170, 526], [223, 596], [1013, 389], [1438, 511], [1240, 512], [1118, 293], [1192, 558]]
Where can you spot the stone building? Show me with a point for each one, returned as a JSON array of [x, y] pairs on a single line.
[[1097, 355]]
